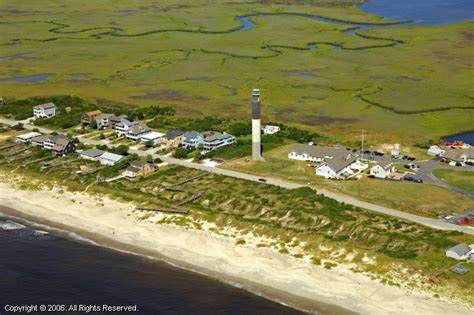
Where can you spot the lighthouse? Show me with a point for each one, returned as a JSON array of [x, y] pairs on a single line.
[[256, 129]]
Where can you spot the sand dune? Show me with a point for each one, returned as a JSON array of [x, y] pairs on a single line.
[[263, 270]]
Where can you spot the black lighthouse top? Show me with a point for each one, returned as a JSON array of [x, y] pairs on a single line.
[[256, 104]]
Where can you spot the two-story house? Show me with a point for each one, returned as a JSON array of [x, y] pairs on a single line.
[[47, 110]]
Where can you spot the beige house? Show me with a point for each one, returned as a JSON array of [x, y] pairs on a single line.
[[173, 139], [139, 168]]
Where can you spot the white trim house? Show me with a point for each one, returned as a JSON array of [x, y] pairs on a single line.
[[47, 110]]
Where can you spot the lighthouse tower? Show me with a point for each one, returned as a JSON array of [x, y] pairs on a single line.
[[256, 129]]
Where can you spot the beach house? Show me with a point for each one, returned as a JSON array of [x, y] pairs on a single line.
[[124, 126], [269, 129], [460, 252], [88, 117], [27, 137], [154, 137], [139, 168], [137, 131], [92, 154], [192, 139], [47, 110], [108, 158], [215, 140], [173, 139]]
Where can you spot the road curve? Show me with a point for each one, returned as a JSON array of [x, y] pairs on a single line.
[[433, 223]]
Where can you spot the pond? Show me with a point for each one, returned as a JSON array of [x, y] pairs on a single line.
[[42, 77], [466, 137]]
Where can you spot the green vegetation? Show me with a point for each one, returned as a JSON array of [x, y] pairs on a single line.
[[187, 55], [461, 179], [426, 200], [298, 219]]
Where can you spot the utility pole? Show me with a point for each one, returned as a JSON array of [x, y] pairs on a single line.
[[362, 145]]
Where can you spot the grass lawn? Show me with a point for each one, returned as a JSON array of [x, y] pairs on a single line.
[[185, 54], [424, 199], [461, 179]]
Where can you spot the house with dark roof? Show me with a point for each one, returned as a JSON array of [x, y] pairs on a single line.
[[172, 139], [47, 110], [92, 154], [192, 139], [63, 147], [49, 143], [460, 252]]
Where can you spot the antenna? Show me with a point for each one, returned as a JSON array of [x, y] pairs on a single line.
[[362, 145]]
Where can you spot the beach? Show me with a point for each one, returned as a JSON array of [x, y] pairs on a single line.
[[264, 271]]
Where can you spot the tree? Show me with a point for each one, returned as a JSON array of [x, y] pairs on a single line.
[[149, 144], [121, 149], [93, 124], [181, 153], [158, 161]]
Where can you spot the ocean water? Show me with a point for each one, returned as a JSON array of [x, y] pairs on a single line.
[[38, 267]]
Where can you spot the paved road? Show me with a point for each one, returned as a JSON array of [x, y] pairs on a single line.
[[433, 223], [426, 173]]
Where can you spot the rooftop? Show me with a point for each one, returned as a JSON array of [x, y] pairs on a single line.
[[111, 156], [461, 249], [191, 135], [93, 153], [174, 133], [28, 135], [153, 135], [217, 136], [319, 151], [46, 106]]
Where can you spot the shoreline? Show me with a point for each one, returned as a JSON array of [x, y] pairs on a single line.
[[262, 271]]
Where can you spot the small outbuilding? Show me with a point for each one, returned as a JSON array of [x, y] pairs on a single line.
[[460, 252]]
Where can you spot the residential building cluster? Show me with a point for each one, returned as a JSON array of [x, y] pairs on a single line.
[[331, 162], [59, 144], [456, 153], [136, 131], [105, 158]]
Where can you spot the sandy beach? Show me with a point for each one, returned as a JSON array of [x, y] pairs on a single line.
[[292, 281]]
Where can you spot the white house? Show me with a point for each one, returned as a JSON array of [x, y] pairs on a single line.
[[50, 142], [340, 167], [192, 139], [436, 150], [269, 129], [136, 132], [383, 170], [315, 153], [110, 158], [216, 140], [47, 110], [92, 154], [124, 126], [27, 137], [460, 252], [153, 136]]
